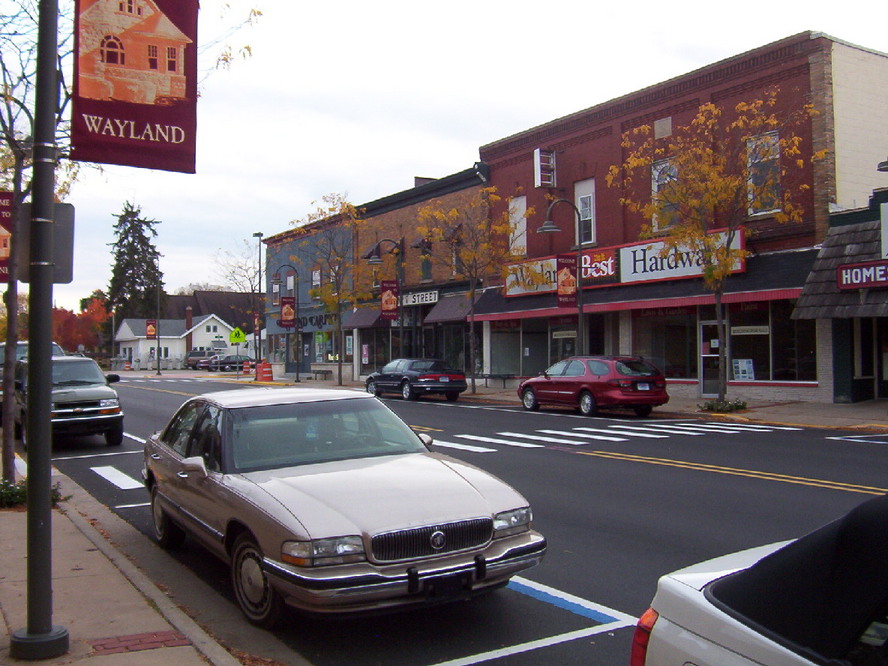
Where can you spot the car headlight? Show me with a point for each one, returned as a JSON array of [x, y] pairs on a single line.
[[109, 402], [512, 522], [323, 552]]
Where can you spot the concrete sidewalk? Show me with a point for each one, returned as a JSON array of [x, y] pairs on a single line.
[[112, 612], [115, 614]]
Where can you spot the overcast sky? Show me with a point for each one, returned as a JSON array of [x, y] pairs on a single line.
[[358, 98]]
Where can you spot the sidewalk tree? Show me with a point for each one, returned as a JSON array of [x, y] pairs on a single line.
[[476, 240], [704, 185], [325, 248], [136, 287]]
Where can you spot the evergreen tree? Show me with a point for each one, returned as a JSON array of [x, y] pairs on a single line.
[[135, 275]]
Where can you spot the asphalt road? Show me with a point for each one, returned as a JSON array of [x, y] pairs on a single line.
[[621, 501]]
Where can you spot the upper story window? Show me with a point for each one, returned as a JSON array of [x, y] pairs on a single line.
[[763, 173], [275, 293], [518, 225], [663, 174], [153, 60], [172, 59], [584, 191], [111, 51], [129, 7]]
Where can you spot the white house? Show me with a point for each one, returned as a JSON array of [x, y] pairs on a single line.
[[135, 347]]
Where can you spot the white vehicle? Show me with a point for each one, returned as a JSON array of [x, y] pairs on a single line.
[[821, 599]]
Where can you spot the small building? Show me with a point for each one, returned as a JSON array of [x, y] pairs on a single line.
[[174, 340], [847, 289]]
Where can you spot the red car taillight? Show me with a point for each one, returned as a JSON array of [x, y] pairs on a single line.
[[642, 637], [621, 383]]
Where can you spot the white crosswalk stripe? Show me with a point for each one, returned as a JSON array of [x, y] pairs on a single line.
[[464, 447], [506, 442], [118, 478], [560, 440], [666, 429], [646, 435]]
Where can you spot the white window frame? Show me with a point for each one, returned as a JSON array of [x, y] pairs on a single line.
[[762, 149], [658, 168], [518, 224], [584, 194]]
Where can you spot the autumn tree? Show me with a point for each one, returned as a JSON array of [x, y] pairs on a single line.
[[702, 186], [325, 247], [136, 287], [475, 241]]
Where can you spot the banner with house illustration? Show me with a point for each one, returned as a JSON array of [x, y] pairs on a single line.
[[388, 299], [135, 83], [566, 279], [6, 227]]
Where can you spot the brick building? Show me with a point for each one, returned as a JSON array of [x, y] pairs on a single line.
[[665, 315]]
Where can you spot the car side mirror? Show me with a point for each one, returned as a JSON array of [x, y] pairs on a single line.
[[112, 378], [195, 464], [426, 440]]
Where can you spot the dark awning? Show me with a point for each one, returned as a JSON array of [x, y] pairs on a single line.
[[821, 297], [362, 318], [454, 307]]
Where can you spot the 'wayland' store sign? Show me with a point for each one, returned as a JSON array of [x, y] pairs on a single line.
[[625, 264]]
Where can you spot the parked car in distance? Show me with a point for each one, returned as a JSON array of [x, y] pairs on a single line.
[[83, 403], [415, 377], [230, 363], [327, 501], [21, 351], [821, 599], [193, 358], [589, 382]]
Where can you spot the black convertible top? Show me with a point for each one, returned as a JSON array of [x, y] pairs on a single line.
[[819, 592]]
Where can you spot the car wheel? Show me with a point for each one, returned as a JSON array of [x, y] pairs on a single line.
[[452, 397], [529, 400], [587, 404], [407, 391], [643, 410], [166, 532], [373, 388], [258, 600], [227, 368], [114, 437]]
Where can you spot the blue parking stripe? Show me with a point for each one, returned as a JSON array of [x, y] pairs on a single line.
[[571, 606]]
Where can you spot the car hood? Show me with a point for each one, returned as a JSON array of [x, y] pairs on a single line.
[[381, 494], [83, 392]]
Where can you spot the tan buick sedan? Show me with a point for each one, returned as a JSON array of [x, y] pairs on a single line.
[[325, 500]]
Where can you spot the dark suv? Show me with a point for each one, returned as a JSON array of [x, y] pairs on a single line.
[[589, 382], [83, 403], [194, 357]]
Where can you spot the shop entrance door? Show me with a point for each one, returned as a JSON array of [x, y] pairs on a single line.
[[709, 346]]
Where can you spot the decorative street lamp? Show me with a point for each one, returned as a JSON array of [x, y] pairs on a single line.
[[374, 258], [550, 227], [276, 279], [256, 333]]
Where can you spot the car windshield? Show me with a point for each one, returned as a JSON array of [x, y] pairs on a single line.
[[70, 373], [636, 368], [275, 436]]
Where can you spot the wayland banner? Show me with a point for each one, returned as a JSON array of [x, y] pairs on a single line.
[[135, 83]]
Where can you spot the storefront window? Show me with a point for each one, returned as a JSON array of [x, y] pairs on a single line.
[[667, 337], [750, 331]]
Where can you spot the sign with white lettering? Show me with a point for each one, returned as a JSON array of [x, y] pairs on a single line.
[[864, 275], [419, 298], [7, 223], [135, 83]]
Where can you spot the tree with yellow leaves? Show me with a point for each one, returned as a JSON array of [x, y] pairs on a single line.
[[703, 185], [476, 241]]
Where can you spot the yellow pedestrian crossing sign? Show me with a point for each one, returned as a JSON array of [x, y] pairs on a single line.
[[237, 337]]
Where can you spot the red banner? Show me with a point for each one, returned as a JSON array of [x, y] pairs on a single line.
[[135, 83], [7, 225], [288, 312], [566, 279], [151, 328], [388, 299]]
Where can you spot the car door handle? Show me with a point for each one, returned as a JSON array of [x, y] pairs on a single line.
[[182, 475], [155, 456]]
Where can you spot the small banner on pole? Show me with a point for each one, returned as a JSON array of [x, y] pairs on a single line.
[[150, 328], [388, 300], [566, 279], [288, 312], [7, 224], [135, 83]]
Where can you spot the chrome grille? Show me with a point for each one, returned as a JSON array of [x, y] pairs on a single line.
[[417, 542]]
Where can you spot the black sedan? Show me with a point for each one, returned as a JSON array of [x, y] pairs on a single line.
[[229, 363], [414, 377]]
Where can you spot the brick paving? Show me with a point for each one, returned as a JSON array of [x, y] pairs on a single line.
[[138, 642]]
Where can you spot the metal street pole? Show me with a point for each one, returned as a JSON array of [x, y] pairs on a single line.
[[373, 257], [257, 336], [549, 226], [41, 639]]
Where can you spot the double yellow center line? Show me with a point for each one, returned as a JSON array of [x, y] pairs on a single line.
[[733, 471]]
